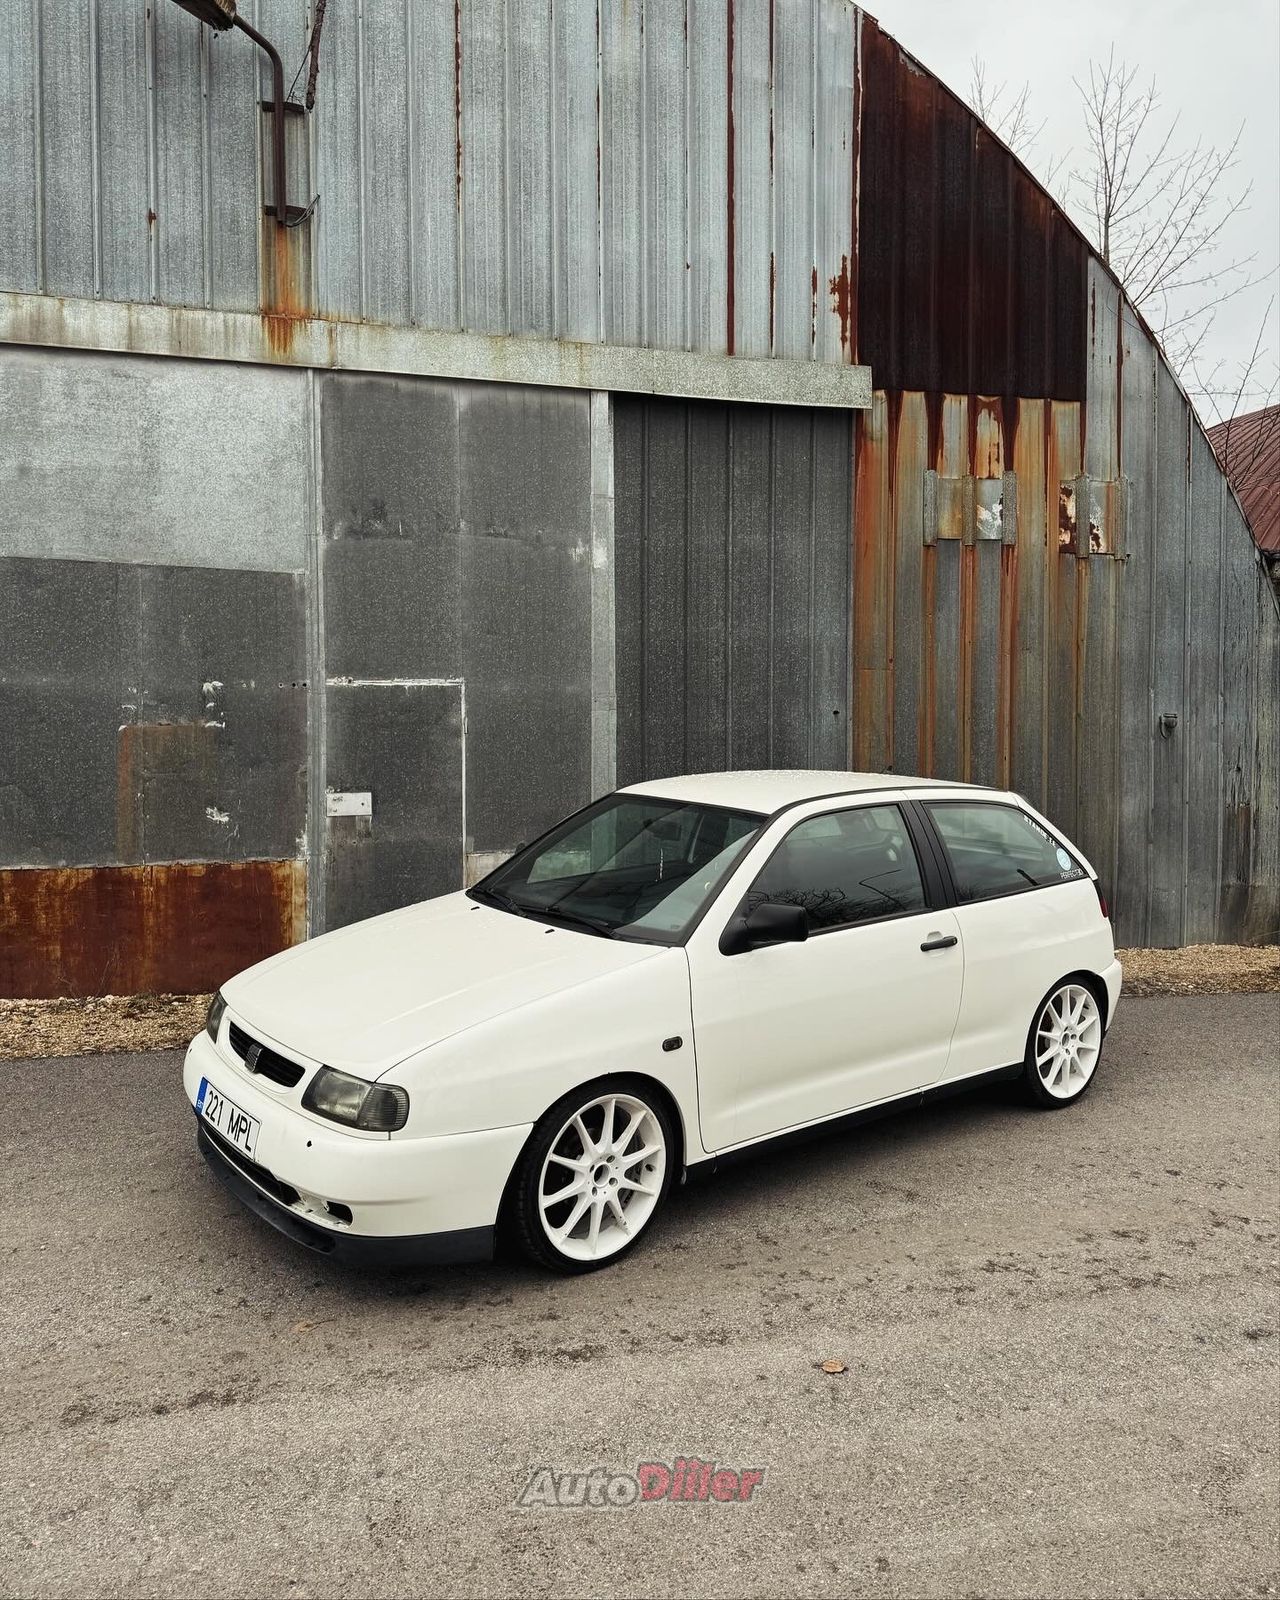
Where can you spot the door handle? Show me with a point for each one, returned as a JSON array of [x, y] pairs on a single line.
[[940, 941]]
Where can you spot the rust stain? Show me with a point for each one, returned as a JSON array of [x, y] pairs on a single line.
[[813, 306], [177, 928], [1068, 524], [731, 221], [773, 295], [841, 290], [151, 218], [986, 435], [285, 307], [151, 757]]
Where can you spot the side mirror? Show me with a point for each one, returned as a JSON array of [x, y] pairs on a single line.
[[767, 924]]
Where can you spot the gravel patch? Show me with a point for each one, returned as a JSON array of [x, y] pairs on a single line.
[[112, 1023], [96, 1026], [1202, 969]]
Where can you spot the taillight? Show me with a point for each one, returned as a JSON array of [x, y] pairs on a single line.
[[1102, 901]]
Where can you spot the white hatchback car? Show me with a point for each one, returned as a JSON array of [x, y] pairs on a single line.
[[683, 971]]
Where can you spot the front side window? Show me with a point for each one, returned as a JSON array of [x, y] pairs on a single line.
[[997, 849], [632, 867], [844, 867]]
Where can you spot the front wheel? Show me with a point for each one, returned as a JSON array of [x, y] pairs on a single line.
[[593, 1174], [1063, 1046]]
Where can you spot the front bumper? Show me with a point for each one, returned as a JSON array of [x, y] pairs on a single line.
[[426, 1249], [410, 1199]]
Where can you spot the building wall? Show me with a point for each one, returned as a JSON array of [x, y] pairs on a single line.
[[639, 172], [250, 555], [234, 590]]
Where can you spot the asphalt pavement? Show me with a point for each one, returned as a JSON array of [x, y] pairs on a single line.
[[1059, 1331]]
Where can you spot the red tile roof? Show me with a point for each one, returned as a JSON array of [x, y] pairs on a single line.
[[1249, 449]]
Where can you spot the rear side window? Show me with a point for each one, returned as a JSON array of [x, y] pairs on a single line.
[[844, 867], [997, 850]]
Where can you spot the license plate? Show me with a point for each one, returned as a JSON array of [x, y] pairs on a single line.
[[235, 1125]]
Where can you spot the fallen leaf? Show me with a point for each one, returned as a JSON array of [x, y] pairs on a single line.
[[302, 1327], [834, 1366]]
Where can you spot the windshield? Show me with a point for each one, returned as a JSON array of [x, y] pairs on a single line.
[[631, 867]]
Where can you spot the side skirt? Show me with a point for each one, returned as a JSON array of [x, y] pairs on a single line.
[[695, 1171]]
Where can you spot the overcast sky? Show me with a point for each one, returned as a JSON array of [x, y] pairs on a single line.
[[1213, 64]]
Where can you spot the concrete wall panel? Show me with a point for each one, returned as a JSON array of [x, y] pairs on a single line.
[[122, 458]]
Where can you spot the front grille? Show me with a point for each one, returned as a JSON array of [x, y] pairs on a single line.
[[267, 1064], [283, 1192]]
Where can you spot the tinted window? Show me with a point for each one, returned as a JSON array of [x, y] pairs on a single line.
[[997, 850], [631, 866], [844, 867]]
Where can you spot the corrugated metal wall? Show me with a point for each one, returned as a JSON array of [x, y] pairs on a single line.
[[1047, 559], [675, 173], [732, 562]]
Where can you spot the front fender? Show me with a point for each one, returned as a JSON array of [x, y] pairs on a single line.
[[509, 1069]]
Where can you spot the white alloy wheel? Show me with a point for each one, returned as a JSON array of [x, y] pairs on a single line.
[[1068, 1041], [602, 1177]]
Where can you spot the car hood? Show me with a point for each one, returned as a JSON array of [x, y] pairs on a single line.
[[368, 996]]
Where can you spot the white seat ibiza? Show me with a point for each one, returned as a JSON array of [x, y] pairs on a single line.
[[682, 972]]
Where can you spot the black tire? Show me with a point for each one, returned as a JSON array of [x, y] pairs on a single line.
[[1031, 1085], [524, 1210]]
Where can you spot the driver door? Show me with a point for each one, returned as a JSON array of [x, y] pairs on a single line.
[[856, 1013]]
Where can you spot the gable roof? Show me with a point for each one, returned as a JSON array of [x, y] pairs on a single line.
[[1248, 448]]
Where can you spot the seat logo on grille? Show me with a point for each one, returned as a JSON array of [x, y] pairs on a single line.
[[252, 1056]]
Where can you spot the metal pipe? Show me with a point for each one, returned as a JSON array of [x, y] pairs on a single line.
[[277, 151]]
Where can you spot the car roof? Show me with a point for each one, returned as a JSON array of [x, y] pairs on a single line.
[[770, 791]]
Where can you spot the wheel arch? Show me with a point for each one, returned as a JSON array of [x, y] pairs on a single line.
[[640, 1080]]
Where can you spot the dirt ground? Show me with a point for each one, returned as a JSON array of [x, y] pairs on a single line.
[[112, 1023]]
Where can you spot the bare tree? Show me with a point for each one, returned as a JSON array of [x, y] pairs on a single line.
[[1157, 208], [1007, 114]]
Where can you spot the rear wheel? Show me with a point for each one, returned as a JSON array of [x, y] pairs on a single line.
[[592, 1176], [1063, 1046]]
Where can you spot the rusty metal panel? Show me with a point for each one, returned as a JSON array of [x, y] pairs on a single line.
[[1028, 694], [910, 534], [872, 589], [738, 516], [970, 279], [181, 928], [174, 462]]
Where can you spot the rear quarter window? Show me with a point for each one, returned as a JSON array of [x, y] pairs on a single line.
[[998, 849]]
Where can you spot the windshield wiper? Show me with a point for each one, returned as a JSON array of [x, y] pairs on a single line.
[[572, 919], [504, 902]]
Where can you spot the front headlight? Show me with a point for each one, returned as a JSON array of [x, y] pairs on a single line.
[[214, 1020], [375, 1107]]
